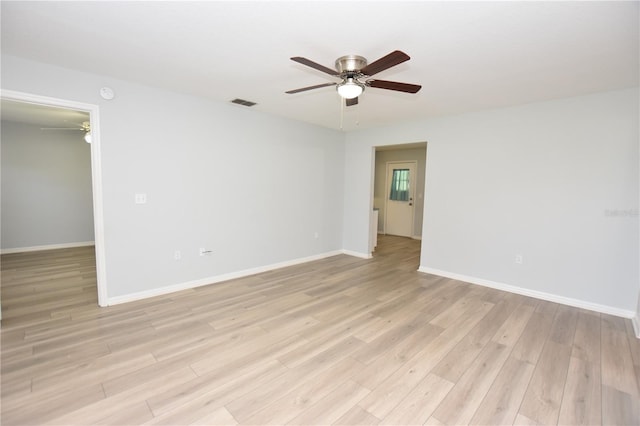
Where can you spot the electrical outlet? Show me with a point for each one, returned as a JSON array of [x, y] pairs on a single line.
[[519, 259], [141, 198], [177, 255]]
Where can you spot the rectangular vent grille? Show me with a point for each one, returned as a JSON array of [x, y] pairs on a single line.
[[243, 102]]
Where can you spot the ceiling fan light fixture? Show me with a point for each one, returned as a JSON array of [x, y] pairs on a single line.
[[350, 88], [87, 137]]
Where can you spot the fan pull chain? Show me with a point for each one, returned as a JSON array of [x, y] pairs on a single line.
[[341, 113]]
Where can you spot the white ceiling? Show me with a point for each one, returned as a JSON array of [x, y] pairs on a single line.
[[468, 56]]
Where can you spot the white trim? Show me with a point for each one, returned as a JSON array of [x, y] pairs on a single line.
[[636, 324], [357, 254], [96, 175], [532, 293], [216, 279], [47, 247], [417, 237]]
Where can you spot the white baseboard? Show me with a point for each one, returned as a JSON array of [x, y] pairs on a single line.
[[534, 293], [357, 254], [636, 324], [47, 247], [417, 237], [215, 279]]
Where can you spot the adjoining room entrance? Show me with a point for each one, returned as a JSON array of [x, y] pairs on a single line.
[[398, 193], [54, 118], [400, 198]]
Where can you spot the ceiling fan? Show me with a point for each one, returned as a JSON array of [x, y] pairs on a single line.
[[354, 73], [85, 127]]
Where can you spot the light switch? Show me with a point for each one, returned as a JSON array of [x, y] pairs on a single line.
[[141, 198]]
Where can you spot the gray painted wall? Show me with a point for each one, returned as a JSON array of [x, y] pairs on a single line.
[[541, 180], [380, 190], [46, 187], [253, 188]]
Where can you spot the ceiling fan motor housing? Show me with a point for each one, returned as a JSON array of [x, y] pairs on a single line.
[[350, 63]]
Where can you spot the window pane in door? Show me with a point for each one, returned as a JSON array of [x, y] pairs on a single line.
[[400, 185]]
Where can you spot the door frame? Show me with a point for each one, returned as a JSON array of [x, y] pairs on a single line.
[[413, 190], [96, 174]]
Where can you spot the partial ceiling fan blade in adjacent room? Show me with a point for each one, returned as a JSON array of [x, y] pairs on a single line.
[[394, 85], [391, 60], [60, 128], [314, 65], [303, 89]]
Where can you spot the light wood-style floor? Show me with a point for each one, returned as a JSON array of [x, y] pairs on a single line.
[[337, 341]]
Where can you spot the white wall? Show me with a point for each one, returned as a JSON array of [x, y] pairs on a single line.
[[555, 181], [253, 188], [546, 180], [636, 320], [380, 191], [46, 187]]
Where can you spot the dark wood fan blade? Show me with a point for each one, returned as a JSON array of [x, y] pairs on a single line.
[[303, 89], [394, 85], [314, 65], [392, 59], [351, 102]]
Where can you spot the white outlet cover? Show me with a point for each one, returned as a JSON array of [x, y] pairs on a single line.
[[141, 198]]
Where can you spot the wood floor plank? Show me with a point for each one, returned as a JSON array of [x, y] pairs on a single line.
[[179, 407], [619, 408], [332, 406], [341, 340], [96, 371], [531, 341], [634, 343], [617, 364], [420, 403], [586, 342], [130, 397], [331, 359], [397, 356], [357, 416], [37, 411], [305, 395], [542, 400], [465, 397], [512, 328], [502, 401], [564, 325], [390, 391], [219, 416], [168, 404], [453, 366], [522, 420], [136, 413], [582, 400]]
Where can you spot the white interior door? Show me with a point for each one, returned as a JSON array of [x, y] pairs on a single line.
[[401, 188]]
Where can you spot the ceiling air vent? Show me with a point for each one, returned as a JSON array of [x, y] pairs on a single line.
[[243, 102]]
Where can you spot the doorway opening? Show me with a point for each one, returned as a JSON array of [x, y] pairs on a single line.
[[28, 112], [398, 193]]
